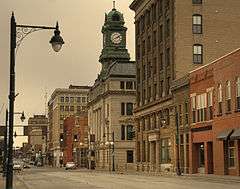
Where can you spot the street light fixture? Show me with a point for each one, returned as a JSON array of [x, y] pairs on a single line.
[[16, 37]]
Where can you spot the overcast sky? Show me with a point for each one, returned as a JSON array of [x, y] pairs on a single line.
[[38, 67]]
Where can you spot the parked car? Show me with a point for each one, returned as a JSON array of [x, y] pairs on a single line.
[[17, 166], [70, 165]]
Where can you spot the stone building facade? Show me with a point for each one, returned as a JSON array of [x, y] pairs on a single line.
[[37, 136], [215, 106], [111, 101], [173, 37], [62, 104]]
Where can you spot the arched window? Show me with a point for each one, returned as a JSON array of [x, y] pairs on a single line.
[[220, 99], [197, 54], [197, 24], [116, 18]]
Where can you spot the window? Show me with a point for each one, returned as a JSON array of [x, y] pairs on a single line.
[[210, 104], [167, 117], [193, 103], [78, 99], [154, 91], [66, 99], [144, 151], [137, 28], [144, 72], [160, 8], [129, 156], [154, 65], [149, 43], [149, 69], [168, 86], [186, 113], [160, 33], [143, 48], [78, 108], [121, 84], [71, 108], [228, 96], [167, 31], [66, 108], [201, 107], [75, 138], [148, 17], [180, 114], [165, 151], [197, 24], [62, 99], [130, 132], [71, 99], [197, 54], [161, 88], [61, 108], [61, 117], [83, 99], [197, 1], [161, 61], [154, 39], [238, 93], [138, 52], [129, 108], [220, 99], [143, 23], [122, 108], [167, 56], [129, 85], [123, 132], [231, 154], [138, 75], [154, 12]]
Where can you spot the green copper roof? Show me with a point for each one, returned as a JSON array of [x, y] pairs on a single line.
[[114, 16]]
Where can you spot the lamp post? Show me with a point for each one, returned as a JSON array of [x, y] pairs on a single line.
[[15, 41], [178, 171]]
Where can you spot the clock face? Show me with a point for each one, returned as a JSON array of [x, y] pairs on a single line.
[[116, 38]]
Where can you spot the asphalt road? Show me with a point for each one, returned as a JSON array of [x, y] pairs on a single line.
[[60, 179]]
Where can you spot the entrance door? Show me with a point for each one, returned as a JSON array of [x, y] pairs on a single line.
[[201, 167]]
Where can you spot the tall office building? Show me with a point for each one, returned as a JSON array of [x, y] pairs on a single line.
[[174, 37]]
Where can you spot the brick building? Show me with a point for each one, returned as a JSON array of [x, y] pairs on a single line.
[[75, 139], [173, 37], [215, 106]]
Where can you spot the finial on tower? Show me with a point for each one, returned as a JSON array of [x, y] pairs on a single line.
[[114, 5]]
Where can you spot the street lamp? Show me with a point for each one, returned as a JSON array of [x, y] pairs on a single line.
[[16, 38], [6, 139]]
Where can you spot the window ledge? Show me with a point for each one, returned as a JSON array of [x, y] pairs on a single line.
[[229, 112]]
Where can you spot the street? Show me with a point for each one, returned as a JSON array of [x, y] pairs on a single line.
[[39, 178]]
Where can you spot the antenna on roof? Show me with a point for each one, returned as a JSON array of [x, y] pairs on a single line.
[[113, 5]]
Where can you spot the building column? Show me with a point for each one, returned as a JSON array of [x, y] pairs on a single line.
[[157, 155]]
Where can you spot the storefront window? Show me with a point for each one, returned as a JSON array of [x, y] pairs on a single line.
[[165, 151], [231, 154]]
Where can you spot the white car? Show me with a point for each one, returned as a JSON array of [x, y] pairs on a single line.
[[70, 165], [17, 166]]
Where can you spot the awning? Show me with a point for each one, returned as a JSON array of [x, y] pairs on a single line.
[[224, 134], [236, 134]]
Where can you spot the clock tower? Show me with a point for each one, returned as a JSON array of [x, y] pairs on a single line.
[[114, 40]]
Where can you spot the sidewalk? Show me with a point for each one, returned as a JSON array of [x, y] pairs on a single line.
[[200, 177], [17, 183]]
